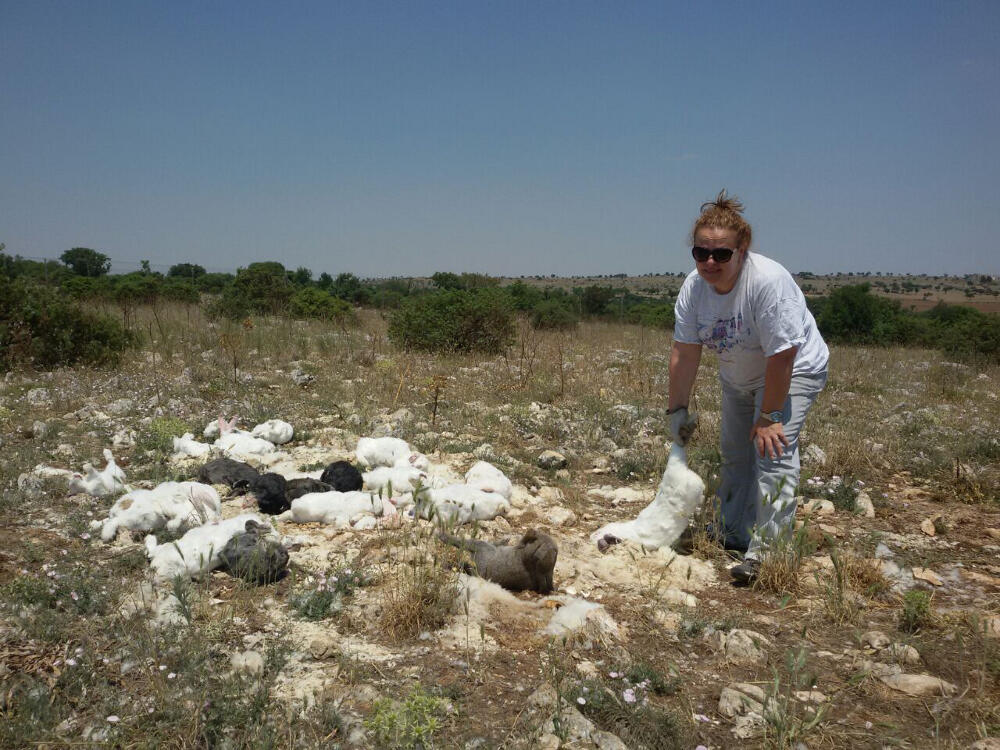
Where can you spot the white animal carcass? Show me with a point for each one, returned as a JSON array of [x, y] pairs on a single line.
[[661, 522], [171, 504], [186, 445], [337, 508], [402, 479], [199, 550], [383, 451], [488, 478], [108, 481], [240, 443], [461, 503], [274, 431]]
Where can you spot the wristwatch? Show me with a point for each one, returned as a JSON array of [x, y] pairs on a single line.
[[773, 416]]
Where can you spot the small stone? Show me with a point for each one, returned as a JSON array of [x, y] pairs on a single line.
[[39, 429], [875, 639], [748, 726], [39, 397], [903, 653], [927, 575], [741, 646], [988, 743], [863, 505], [741, 698], [551, 460], [990, 626], [323, 647], [676, 596], [818, 506], [560, 516], [250, 662], [813, 454], [485, 452], [919, 684], [810, 696], [927, 526]]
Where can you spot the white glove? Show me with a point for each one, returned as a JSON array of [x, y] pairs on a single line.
[[682, 425]]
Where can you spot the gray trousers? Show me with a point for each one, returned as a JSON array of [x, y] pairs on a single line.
[[756, 498]]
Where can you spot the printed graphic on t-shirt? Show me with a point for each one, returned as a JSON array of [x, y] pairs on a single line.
[[724, 334]]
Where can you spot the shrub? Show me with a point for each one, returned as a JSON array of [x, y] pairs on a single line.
[[41, 327], [916, 611], [410, 724], [620, 705], [653, 315], [853, 314], [454, 321], [553, 314], [312, 302], [330, 591], [261, 288]]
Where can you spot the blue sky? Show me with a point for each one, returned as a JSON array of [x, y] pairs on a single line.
[[508, 138]]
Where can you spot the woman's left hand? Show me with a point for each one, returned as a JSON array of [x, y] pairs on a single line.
[[769, 437]]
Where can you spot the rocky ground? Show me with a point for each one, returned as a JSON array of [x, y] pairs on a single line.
[[878, 625]]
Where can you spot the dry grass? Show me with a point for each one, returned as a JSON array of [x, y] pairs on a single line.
[[781, 563], [420, 584]]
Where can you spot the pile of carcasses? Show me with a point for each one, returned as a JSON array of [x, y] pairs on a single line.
[[391, 483]]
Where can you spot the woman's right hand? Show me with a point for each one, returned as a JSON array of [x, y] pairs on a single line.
[[682, 425]]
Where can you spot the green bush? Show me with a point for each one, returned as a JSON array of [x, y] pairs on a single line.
[[454, 321], [312, 302], [916, 611], [652, 315], [854, 315], [260, 288], [411, 723], [41, 327], [553, 314]]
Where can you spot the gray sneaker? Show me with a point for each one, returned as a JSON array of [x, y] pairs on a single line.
[[747, 571]]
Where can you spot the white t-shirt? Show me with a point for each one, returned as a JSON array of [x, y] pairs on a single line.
[[764, 314]]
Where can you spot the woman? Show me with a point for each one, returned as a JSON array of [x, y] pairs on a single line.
[[772, 364]]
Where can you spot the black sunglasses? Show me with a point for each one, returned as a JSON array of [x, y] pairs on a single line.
[[720, 254]]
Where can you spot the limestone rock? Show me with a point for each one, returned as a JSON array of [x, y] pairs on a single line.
[[819, 507], [863, 505], [323, 647], [560, 516], [901, 653], [813, 454], [875, 639], [927, 526], [989, 743], [250, 662], [748, 726], [927, 575], [742, 646], [676, 596], [923, 685], [39, 397], [741, 698], [990, 626], [551, 460]]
